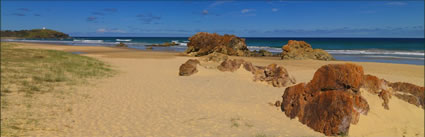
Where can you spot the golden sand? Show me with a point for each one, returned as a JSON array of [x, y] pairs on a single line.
[[148, 98]]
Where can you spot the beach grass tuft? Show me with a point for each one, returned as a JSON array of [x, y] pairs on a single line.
[[26, 74]]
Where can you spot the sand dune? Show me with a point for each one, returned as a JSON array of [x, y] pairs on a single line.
[[148, 98]]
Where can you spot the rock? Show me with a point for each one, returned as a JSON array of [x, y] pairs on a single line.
[[330, 101], [121, 45], [329, 112], [149, 48], [301, 50], [260, 53], [385, 95], [408, 92], [204, 43], [230, 65], [274, 75], [165, 44], [189, 67], [337, 77], [214, 57]]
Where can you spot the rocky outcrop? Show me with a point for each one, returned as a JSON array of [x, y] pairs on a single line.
[[299, 50], [405, 91], [272, 74], [204, 43], [329, 102], [410, 93], [165, 44], [189, 67]]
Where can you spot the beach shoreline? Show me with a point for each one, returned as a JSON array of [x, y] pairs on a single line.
[[148, 98]]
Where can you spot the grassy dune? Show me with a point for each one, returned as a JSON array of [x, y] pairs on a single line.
[[35, 85]]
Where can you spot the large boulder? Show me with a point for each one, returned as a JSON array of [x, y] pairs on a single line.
[[329, 102], [337, 77], [204, 43], [189, 67], [302, 50]]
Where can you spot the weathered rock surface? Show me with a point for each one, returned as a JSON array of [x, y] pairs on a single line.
[[189, 67], [204, 43], [329, 102], [337, 77], [405, 91], [230, 65], [410, 93], [301, 50], [274, 75]]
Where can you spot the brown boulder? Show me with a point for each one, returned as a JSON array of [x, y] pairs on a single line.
[[189, 67], [274, 75], [329, 102], [204, 43], [230, 65], [302, 50], [337, 77]]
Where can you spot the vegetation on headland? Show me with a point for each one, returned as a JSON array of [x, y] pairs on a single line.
[[36, 86], [35, 34]]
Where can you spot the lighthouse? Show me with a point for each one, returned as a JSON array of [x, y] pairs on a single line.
[[44, 28]]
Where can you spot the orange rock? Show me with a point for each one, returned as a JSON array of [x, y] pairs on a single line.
[[302, 50], [330, 101], [204, 43], [337, 77]]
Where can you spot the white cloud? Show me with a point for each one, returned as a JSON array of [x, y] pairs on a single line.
[[243, 11], [397, 3], [275, 9]]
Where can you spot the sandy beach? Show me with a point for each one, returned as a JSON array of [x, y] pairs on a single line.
[[148, 98]]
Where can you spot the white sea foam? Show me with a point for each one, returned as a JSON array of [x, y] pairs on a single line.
[[88, 41], [374, 52], [123, 40]]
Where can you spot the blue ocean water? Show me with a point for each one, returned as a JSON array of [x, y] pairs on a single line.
[[387, 50]]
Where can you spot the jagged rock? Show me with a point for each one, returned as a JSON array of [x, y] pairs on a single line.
[[408, 92], [204, 43], [230, 65], [329, 102], [301, 50], [337, 77], [275, 75], [189, 67]]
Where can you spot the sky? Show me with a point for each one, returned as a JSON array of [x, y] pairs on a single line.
[[256, 18]]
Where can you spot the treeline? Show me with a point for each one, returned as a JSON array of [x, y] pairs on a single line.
[[35, 33]]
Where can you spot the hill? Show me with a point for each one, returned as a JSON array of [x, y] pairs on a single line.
[[35, 33]]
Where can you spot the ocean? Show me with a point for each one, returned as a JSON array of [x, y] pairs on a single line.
[[386, 50]]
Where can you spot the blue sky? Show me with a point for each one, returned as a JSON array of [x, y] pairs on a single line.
[[242, 18]]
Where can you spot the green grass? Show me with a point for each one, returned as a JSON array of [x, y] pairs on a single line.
[[28, 73]]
